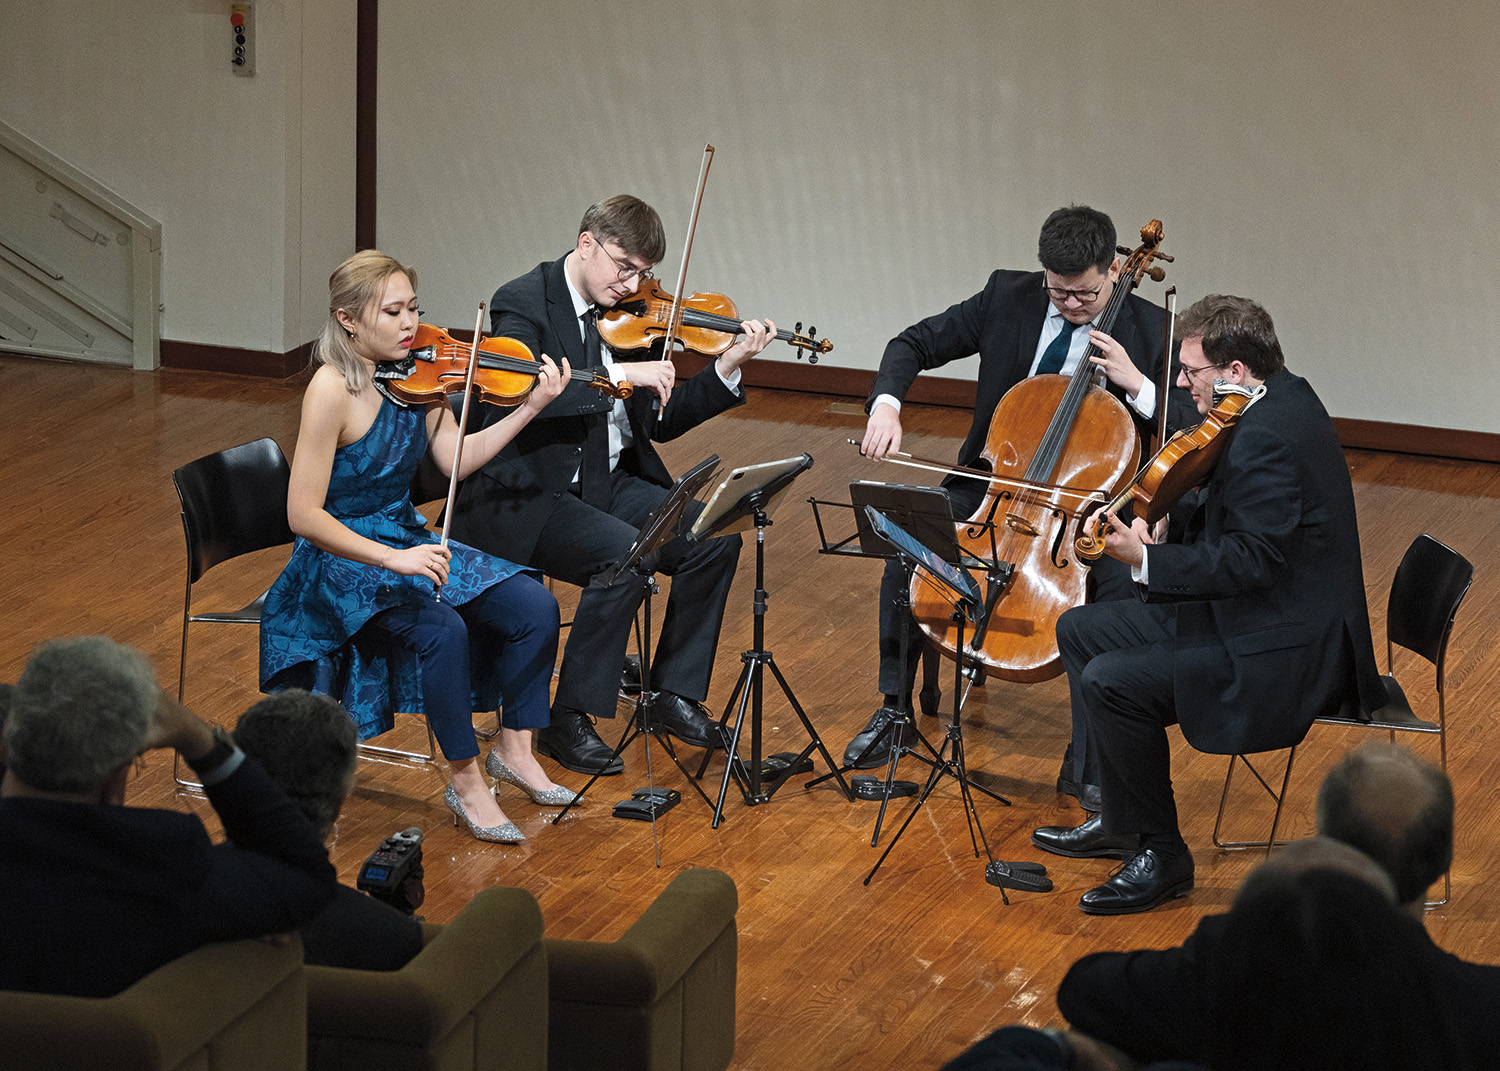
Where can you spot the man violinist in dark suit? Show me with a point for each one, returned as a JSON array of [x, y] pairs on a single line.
[[1248, 629], [568, 495], [1021, 324]]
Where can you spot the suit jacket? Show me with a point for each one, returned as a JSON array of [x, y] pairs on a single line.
[[1159, 1004], [100, 896], [1272, 626], [360, 933], [1003, 323], [503, 507]]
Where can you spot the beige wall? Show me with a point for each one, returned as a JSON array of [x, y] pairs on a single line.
[[252, 178], [876, 159]]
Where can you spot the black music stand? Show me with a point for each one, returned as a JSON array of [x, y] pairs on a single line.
[[970, 606], [640, 563], [745, 498], [927, 515]]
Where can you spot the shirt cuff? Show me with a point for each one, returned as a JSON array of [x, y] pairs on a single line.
[[732, 380], [1144, 403], [888, 399], [220, 762]]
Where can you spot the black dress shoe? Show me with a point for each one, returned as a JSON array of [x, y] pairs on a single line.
[[570, 740], [1089, 797], [1147, 879], [860, 755], [686, 720], [1088, 841], [630, 676]]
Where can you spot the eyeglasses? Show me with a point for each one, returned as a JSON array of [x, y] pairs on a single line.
[[624, 271], [1083, 297], [1190, 370]]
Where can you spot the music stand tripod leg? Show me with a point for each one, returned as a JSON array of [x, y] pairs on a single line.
[[750, 691]]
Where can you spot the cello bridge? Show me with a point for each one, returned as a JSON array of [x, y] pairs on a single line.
[[1016, 523]]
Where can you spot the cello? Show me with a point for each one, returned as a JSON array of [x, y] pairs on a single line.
[[1056, 444]]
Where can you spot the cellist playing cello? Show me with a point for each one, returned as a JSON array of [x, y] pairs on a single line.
[[1021, 324]]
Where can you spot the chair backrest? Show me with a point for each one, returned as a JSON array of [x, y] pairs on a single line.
[[234, 1006], [233, 502], [1429, 584]]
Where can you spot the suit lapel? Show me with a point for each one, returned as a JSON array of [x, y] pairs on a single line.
[[1037, 307], [561, 317]]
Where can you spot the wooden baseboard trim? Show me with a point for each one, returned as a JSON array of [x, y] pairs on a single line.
[[856, 383], [1414, 439], [204, 358]]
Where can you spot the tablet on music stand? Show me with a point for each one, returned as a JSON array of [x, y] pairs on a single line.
[[960, 583], [732, 506]]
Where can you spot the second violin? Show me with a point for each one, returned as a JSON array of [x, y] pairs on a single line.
[[709, 324]]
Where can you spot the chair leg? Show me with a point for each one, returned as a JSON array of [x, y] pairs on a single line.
[[398, 754], [1278, 797]]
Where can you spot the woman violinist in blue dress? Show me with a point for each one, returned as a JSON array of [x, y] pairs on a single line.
[[354, 612]]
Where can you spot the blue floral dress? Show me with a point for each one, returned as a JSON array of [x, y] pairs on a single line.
[[313, 613]]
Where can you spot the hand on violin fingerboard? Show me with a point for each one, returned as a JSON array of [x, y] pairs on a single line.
[[1127, 543], [550, 382], [758, 335]]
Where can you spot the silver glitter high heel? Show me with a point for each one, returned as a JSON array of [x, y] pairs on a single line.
[[504, 833], [557, 795]]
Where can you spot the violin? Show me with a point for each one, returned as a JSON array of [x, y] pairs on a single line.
[[708, 324], [505, 370], [1182, 464]]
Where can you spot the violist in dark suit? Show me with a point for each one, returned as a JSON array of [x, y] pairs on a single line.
[[1248, 629], [1021, 324], [568, 495]]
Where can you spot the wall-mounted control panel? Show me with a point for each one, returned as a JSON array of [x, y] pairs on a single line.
[[242, 38]]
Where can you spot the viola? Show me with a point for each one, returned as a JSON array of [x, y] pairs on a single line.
[[1183, 463], [709, 322], [505, 370]]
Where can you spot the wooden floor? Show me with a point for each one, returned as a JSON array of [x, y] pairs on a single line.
[[903, 972]]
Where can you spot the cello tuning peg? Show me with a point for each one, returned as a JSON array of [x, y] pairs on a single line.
[[797, 327], [1157, 274], [812, 331]]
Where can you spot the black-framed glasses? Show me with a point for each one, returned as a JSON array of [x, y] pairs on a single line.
[[1060, 294], [623, 271], [1191, 370]]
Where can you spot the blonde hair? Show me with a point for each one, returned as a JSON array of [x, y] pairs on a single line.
[[355, 286]]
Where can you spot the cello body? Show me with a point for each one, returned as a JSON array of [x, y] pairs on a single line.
[[1034, 528]]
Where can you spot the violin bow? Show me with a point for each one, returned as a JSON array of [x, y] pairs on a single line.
[[1166, 369], [674, 318], [458, 445]]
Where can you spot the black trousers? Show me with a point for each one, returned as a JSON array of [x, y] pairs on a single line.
[[1108, 580], [1120, 660], [579, 542]]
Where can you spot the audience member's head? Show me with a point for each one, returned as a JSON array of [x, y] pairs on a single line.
[[307, 744], [79, 715], [1396, 809], [1316, 853], [1351, 983]]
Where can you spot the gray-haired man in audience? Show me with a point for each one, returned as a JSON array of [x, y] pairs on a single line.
[[101, 894]]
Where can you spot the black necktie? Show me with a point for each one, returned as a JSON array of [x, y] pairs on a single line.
[[592, 352], [1057, 350], [593, 469]]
